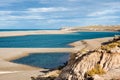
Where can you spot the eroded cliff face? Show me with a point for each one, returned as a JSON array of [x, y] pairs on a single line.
[[103, 63], [97, 59]]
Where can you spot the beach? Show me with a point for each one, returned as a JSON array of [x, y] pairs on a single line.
[[14, 53], [19, 71], [36, 32], [90, 44], [15, 71]]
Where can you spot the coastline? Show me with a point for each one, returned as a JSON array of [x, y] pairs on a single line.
[[15, 53], [15, 71], [89, 43], [37, 32], [41, 32]]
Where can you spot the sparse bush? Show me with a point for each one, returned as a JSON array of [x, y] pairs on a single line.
[[96, 70], [109, 46]]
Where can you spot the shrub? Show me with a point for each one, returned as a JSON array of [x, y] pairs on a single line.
[[96, 70]]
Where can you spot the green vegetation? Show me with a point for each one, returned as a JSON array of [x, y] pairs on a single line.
[[96, 70]]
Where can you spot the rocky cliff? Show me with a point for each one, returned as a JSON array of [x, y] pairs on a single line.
[[97, 59], [102, 63]]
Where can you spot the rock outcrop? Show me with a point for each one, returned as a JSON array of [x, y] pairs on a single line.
[[97, 59], [102, 63]]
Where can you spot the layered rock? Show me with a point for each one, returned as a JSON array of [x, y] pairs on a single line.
[[102, 63], [97, 59]]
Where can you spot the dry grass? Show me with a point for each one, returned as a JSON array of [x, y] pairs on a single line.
[[96, 70], [108, 47]]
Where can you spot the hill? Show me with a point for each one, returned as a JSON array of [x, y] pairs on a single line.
[[93, 28]]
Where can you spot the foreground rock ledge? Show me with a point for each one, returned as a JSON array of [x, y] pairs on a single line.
[[102, 63]]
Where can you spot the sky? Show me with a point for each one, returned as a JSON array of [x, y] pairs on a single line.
[[54, 14]]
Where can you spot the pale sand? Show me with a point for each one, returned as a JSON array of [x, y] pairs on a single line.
[[13, 53], [36, 32], [23, 75], [13, 71], [23, 72], [9, 66], [89, 44]]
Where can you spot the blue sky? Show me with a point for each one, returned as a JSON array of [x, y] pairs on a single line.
[[53, 14]]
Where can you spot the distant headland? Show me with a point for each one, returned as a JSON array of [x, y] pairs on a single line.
[[93, 28]]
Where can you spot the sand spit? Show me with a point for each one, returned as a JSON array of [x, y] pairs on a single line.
[[13, 71], [9, 66], [21, 75], [14, 53], [24, 33], [90, 44]]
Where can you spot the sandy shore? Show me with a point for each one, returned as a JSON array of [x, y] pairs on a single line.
[[14, 53], [36, 32], [89, 44], [13, 71], [21, 75]]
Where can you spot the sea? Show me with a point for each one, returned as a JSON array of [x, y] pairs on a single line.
[[48, 60]]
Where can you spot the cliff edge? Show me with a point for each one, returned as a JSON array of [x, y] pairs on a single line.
[[102, 63], [96, 59]]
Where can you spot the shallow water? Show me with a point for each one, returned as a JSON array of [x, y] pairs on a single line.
[[50, 60], [44, 60], [51, 40]]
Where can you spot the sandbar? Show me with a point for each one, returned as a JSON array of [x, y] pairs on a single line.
[[13, 71], [36, 32]]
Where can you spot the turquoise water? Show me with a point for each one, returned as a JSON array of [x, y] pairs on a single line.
[[44, 60], [52, 40], [50, 60]]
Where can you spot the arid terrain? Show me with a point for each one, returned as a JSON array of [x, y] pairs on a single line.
[[93, 28]]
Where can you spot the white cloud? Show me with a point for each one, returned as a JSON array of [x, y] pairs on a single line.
[[30, 13], [9, 2], [23, 17], [48, 9], [103, 12], [5, 12], [107, 8], [102, 18], [14, 15], [112, 4]]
